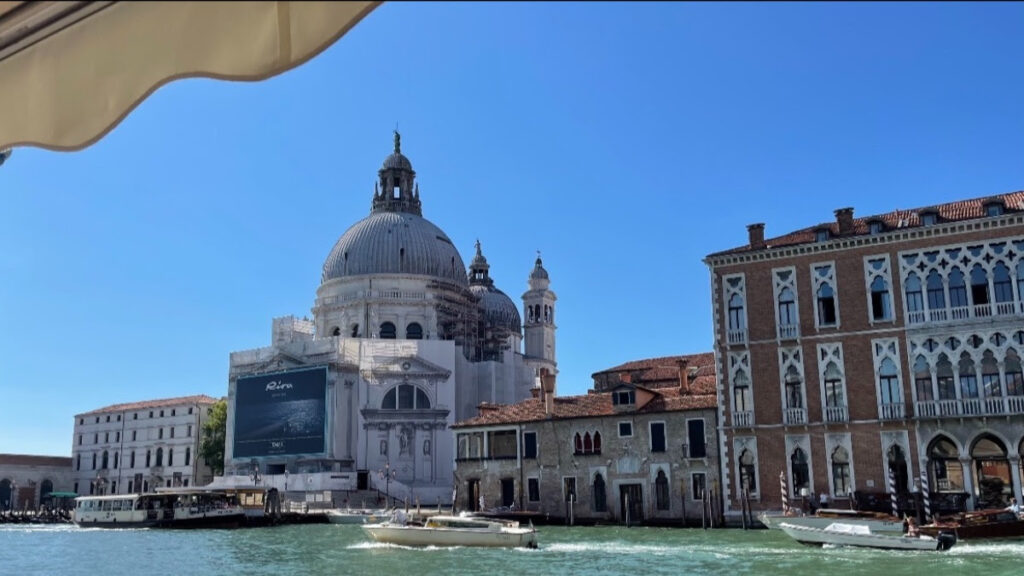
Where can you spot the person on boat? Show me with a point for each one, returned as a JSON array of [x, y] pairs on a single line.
[[912, 531], [1014, 506]]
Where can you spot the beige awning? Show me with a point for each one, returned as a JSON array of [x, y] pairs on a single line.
[[70, 71]]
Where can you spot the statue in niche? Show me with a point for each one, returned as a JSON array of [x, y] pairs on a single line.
[[404, 439], [426, 447]]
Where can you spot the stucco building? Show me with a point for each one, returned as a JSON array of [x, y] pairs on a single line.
[[139, 446], [26, 481], [403, 341], [864, 347], [640, 447]]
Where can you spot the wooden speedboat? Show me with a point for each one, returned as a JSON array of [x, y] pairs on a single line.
[[874, 521], [354, 516], [453, 531], [839, 534], [982, 524]]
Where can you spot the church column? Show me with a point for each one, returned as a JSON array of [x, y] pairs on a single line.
[[1014, 461]]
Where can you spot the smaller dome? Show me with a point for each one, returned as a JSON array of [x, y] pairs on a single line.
[[499, 310], [539, 273], [397, 161]]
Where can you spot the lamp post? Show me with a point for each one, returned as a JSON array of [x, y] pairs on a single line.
[[387, 472]]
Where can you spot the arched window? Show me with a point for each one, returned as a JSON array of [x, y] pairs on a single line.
[[170, 456], [994, 479], [1001, 284], [597, 442], [588, 444], [661, 491], [115, 460], [794, 393], [957, 289], [188, 456], [944, 376], [889, 383], [579, 443], [826, 305], [148, 458], [801, 471], [946, 474], [748, 471], [1020, 280], [968, 377], [742, 399], [355, 331], [787, 308], [834, 397], [897, 462], [736, 312], [405, 397], [159, 457], [840, 471], [979, 285], [1014, 376], [990, 375], [131, 459], [600, 495], [387, 331], [881, 307], [336, 331], [912, 289], [414, 331], [936, 291]]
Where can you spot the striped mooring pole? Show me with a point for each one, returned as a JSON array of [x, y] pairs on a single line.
[[892, 492], [926, 492], [785, 492]]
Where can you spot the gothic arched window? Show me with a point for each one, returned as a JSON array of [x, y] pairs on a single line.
[[387, 331]]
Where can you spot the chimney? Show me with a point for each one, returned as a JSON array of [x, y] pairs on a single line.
[[844, 217], [756, 233], [683, 375], [547, 382], [535, 391]]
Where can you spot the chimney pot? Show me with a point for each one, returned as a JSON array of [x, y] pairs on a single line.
[[756, 235]]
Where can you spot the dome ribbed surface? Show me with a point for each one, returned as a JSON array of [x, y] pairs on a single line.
[[499, 310], [395, 243]]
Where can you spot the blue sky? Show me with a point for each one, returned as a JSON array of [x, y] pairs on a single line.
[[624, 141]]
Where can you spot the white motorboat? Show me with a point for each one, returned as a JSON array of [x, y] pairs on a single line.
[[839, 534], [876, 522], [353, 516], [453, 531]]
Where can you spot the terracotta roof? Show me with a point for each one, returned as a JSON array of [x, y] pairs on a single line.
[[664, 372], [897, 219], [585, 406], [145, 405], [29, 460]]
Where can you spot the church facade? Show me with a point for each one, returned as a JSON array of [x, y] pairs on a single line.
[[403, 342]]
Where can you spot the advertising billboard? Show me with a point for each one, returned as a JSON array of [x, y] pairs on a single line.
[[281, 413]]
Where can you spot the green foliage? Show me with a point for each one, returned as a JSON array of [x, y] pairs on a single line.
[[214, 434]]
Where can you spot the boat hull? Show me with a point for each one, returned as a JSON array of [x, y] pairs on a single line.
[[980, 526], [772, 521], [420, 536], [821, 537]]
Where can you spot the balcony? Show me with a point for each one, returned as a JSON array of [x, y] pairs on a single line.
[[1006, 308], [836, 414], [970, 407], [743, 419], [737, 337], [789, 331], [795, 416], [894, 411]]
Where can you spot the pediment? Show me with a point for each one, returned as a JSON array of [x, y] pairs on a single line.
[[405, 368]]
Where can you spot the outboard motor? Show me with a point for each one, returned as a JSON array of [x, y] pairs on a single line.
[[946, 539]]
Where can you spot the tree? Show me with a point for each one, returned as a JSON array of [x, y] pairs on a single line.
[[214, 435]]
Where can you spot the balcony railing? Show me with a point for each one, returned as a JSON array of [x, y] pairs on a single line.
[[956, 313], [894, 411], [738, 336], [1006, 308], [982, 310], [744, 418], [939, 315], [960, 313], [915, 316], [795, 416], [836, 414], [992, 406], [789, 331]]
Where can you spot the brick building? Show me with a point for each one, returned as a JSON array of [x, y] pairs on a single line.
[[26, 481], [138, 446], [864, 346], [641, 442]]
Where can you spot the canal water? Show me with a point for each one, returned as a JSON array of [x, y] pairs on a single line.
[[66, 550]]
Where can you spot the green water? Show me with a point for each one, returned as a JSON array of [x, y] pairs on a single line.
[[336, 549]]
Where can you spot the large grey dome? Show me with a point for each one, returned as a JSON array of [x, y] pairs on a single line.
[[395, 243], [499, 310]]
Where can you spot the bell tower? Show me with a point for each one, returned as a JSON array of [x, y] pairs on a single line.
[[539, 316]]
